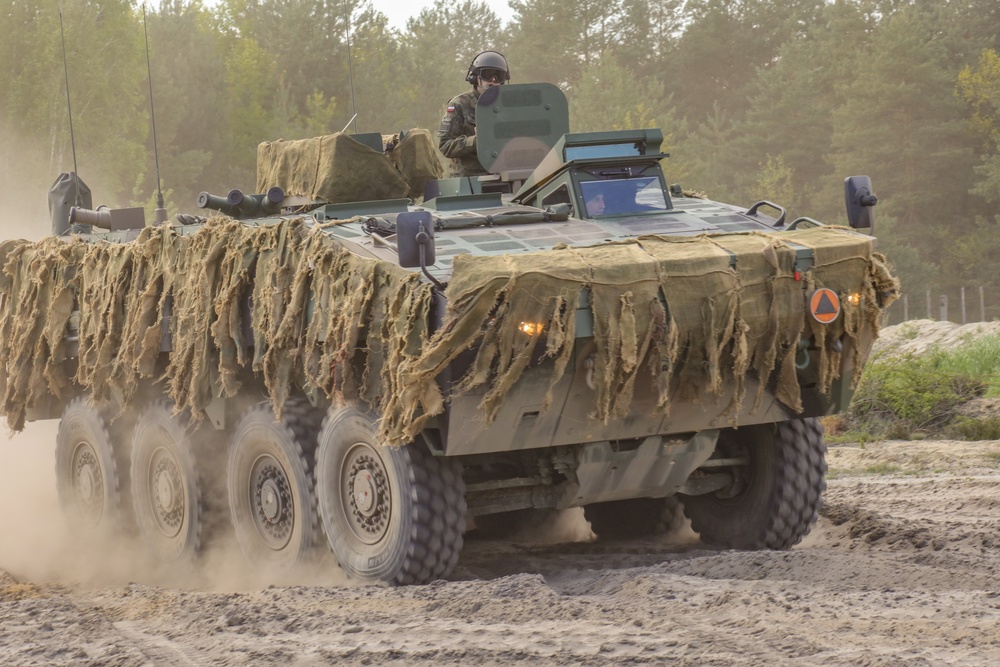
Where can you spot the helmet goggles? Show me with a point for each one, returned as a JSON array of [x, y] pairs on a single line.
[[492, 74]]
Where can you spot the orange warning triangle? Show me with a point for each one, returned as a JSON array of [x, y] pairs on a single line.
[[824, 304]]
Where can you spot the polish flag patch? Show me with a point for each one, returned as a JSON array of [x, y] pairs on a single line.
[[451, 108]]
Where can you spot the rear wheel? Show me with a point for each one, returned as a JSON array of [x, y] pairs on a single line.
[[90, 479], [270, 484], [165, 489], [390, 514], [776, 489]]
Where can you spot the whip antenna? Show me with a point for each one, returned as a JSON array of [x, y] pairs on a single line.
[[161, 213], [350, 70], [69, 106], [349, 124]]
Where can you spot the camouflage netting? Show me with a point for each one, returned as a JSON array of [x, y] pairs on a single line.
[[417, 158], [718, 322], [338, 169], [126, 288]]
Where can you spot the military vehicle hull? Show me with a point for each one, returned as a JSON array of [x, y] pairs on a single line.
[[371, 375]]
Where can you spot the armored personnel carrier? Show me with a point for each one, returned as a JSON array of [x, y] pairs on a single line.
[[329, 364]]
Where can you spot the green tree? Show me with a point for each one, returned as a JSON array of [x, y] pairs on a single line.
[[301, 43], [388, 82], [249, 118], [438, 46], [106, 71], [980, 88], [555, 41], [725, 43], [789, 124], [906, 128], [187, 63], [609, 97], [704, 156]]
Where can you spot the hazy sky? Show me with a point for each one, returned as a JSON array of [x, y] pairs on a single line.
[[400, 10]]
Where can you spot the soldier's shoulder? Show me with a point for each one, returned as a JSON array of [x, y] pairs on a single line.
[[466, 99]]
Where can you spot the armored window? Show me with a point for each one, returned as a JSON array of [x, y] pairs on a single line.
[[623, 196]]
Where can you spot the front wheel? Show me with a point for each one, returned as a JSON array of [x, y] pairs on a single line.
[[777, 485], [391, 514]]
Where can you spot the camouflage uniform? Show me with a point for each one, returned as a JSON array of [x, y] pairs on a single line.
[[457, 135]]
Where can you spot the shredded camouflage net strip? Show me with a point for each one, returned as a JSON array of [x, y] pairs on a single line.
[[289, 305], [207, 285]]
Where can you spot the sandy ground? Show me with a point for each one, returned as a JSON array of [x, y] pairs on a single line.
[[902, 569]]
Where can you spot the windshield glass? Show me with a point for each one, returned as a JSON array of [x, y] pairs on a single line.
[[623, 196]]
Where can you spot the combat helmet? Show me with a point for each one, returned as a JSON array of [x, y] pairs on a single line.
[[487, 60]]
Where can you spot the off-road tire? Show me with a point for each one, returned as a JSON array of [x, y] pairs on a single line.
[[166, 493], [637, 517], [390, 514], [91, 471], [775, 499], [270, 484]]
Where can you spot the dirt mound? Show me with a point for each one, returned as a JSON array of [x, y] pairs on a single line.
[[919, 336]]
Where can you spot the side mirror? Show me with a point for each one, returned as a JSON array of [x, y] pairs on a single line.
[[861, 202], [415, 239]]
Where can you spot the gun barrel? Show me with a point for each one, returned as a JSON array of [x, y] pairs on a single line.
[[217, 203], [241, 206], [271, 200], [85, 216]]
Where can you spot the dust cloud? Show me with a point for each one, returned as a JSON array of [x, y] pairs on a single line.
[[25, 180], [32, 526], [39, 545]]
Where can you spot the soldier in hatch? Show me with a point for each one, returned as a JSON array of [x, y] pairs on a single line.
[[457, 134]]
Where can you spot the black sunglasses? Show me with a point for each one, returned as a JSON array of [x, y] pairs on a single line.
[[490, 74]]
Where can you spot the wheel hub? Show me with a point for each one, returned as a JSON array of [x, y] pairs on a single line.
[[365, 493], [368, 495], [88, 482], [272, 503], [167, 492], [269, 500], [164, 490], [85, 482]]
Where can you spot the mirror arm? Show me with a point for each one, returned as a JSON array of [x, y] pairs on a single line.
[[422, 239]]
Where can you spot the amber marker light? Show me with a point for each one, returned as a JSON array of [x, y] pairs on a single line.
[[530, 328]]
